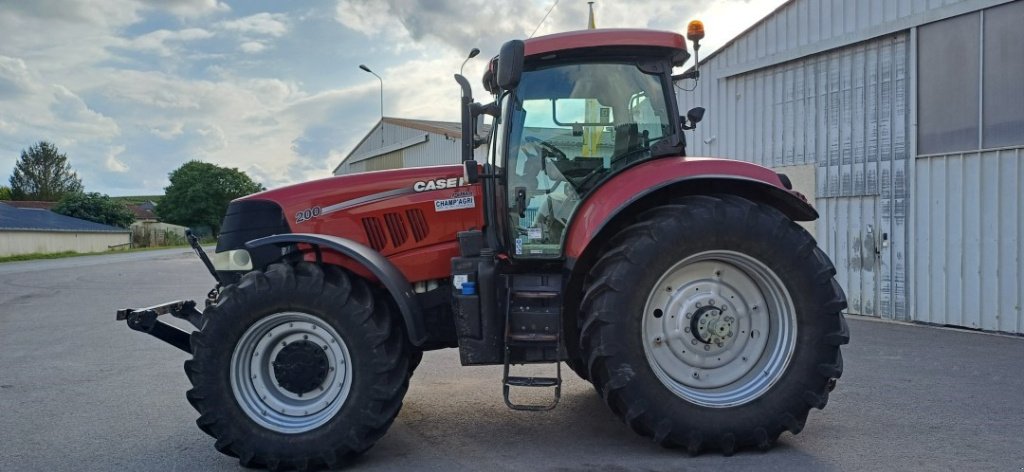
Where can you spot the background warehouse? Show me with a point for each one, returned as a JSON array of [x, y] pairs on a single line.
[[904, 121]]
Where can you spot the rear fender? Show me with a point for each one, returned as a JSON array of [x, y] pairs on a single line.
[[648, 183], [374, 263]]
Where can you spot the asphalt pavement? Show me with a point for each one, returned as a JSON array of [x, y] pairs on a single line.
[[80, 391]]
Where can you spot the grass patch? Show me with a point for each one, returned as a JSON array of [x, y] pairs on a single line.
[[60, 255]]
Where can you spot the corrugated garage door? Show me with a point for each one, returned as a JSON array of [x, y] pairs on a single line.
[[862, 180], [845, 113]]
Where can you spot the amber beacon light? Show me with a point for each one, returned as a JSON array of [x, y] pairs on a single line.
[[695, 30]]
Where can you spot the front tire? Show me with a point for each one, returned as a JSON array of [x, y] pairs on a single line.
[[713, 323], [298, 367]]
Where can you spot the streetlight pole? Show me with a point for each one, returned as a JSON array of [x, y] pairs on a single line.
[[367, 69]]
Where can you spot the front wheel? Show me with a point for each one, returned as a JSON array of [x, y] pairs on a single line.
[[714, 323], [298, 367]]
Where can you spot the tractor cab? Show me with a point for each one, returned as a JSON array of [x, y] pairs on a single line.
[[577, 108]]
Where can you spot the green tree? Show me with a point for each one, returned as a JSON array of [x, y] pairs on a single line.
[[95, 207], [43, 173], [5, 193], [200, 192]]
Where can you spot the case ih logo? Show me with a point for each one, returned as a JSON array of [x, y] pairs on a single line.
[[438, 184]]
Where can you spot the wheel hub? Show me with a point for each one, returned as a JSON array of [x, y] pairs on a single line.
[[710, 325], [301, 367]]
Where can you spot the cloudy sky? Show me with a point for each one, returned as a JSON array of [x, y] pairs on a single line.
[[131, 89]]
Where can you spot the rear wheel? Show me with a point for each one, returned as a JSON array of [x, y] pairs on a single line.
[[298, 367], [713, 323]]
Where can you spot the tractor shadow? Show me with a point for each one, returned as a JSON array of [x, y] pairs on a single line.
[[454, 418]]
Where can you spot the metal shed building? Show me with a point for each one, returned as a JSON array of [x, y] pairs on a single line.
[[396, 143], [903, 120]]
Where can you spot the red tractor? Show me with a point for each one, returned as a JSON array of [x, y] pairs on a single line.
[[681, 287]]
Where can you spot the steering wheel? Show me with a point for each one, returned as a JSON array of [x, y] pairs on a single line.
[[552, 150]]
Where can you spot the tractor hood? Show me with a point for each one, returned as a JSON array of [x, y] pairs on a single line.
[[398, 213], [344, 191]]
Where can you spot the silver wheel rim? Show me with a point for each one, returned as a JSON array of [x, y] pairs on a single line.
[[257, 389], [719, 329]]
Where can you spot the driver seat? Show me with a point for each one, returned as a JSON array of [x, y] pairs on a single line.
[[627, 138]]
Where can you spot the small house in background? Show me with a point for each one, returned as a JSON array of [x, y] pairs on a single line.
[[39, 230], [144, 212], [148, 231]]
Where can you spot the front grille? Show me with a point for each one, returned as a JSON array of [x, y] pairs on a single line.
[[396, 228], [375, 233], [418, 222]]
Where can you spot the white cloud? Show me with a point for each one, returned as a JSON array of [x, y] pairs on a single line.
[[112, 163], [168, 130], [261, 24], [163, 41], [15, 78], [252, 47], [189, 8]]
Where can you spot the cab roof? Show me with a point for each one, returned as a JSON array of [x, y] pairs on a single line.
[[603, 38]]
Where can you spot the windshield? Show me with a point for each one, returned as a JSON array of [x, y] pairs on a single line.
[[571, 125], [589, 119]]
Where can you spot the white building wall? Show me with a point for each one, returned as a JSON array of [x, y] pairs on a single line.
[[969, 239], [436, 149], [29, 242]]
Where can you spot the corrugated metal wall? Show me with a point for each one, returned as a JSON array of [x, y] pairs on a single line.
[[804, 27], [969, 239], [845, 112], [827, 84], [391, 160]]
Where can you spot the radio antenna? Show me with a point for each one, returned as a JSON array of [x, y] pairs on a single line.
[[553, 5]]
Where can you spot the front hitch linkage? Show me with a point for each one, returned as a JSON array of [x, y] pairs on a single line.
[[145, 320]]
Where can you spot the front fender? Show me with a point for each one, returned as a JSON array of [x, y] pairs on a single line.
[[673, 177], [389, 275]]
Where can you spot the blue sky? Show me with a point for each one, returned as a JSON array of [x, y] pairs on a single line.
[[131, 89]]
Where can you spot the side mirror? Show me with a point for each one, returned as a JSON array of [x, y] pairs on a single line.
[[695, 115], [510, 64]]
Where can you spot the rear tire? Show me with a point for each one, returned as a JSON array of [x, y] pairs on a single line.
[[710, 369], [298, 367]]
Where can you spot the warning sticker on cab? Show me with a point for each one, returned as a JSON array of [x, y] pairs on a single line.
[[456, 203]]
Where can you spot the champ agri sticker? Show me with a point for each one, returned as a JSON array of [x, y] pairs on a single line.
[[456, 203]]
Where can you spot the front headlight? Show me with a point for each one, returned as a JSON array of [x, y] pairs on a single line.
[[234, 260]]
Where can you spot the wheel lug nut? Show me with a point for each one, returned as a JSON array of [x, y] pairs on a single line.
[[711, 302], [707, 348], [689, 315], [693, 341], [686, 329]]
